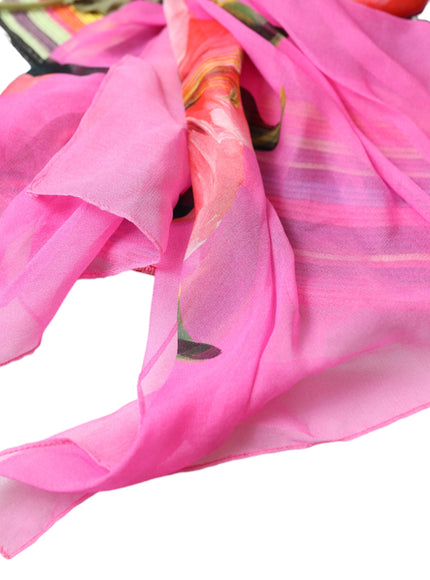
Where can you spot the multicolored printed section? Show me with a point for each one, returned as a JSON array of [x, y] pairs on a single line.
[[35, 33]]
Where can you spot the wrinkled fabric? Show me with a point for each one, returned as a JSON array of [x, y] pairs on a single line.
[[270, 162]]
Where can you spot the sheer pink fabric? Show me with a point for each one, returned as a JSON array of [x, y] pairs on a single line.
[[292, 305]]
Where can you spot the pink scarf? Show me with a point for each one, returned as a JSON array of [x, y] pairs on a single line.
[[270, 162]]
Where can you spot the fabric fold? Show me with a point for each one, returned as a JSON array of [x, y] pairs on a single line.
[[137, 167], [148, 188]]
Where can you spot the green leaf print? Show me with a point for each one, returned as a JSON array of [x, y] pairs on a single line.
[[190, 350], [254, 20], [264, 137]]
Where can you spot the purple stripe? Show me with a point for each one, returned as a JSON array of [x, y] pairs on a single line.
[[38, 34]]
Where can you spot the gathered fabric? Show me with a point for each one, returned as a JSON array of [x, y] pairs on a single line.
[[269, 164]]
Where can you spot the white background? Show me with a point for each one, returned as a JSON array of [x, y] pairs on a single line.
[[338, 511]]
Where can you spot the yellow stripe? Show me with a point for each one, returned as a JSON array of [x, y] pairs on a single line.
[[323, 167], [422, 174], [401, 152], [317, 145], [87, 17], [364, 258]]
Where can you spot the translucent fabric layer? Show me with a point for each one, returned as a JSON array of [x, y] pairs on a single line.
[[271, 164]]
